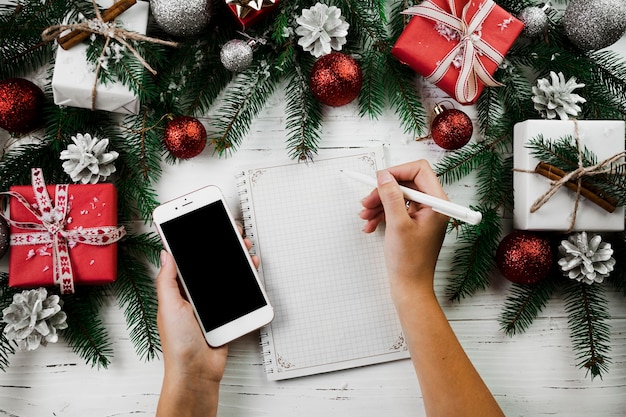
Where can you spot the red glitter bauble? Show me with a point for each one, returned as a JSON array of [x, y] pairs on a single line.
[[524, 257], [336, 79], [21, 105], [185, 137], [451, 129]]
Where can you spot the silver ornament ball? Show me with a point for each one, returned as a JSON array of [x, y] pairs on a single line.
[[594, 24], [182, 18], [535, 21], [236, 55]]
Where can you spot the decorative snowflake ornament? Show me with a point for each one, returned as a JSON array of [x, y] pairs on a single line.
[[586, 260], [557, 98], [321, 28], [87, 160], [33, 319]]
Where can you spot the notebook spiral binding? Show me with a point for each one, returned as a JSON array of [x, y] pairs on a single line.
[[242, 187], [248, 229]]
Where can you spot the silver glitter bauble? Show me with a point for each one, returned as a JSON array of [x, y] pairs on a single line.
[[236, 55], [182, 18], [594, 24], [535, 21]]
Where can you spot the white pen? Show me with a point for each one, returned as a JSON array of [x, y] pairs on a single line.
[[437, 204]]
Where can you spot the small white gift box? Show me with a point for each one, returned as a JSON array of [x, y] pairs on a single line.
[[604, 138], [74, 78]]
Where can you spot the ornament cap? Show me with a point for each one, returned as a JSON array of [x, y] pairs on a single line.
[[438, 109]]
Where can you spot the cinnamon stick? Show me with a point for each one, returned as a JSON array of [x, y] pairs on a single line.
[[77, 36], [587, 190]]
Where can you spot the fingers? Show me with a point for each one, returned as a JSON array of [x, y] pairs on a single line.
[[420, 175], [391, 197]]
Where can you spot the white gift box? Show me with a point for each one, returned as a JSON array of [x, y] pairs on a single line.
[[604, 138], [74, 77]]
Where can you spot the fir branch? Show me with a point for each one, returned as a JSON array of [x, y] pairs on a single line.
[[397, 20], [372, 97], [86, 333], [610, 72], [304, 114], [456, 165], [403, 97], [136, 295], [617, 278], [6, 298], [524, 303], [195, 80], [21, 47], [586, 306], [474, 258], [139, 167], [366, 23], [243, 100], [492, 181]]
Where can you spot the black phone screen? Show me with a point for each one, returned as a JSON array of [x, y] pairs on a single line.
[[213, 265]]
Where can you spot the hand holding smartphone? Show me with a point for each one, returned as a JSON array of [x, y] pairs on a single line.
[[214, 265]]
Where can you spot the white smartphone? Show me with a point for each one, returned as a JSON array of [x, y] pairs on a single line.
[[214, 265]]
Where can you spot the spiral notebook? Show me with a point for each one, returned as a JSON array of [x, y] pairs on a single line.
[[324, 276]]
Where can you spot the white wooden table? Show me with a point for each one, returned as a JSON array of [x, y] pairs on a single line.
[[532, 374]]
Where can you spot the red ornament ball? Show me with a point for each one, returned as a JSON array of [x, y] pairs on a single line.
[[21, 105], [185, 137], [451, 128], [336, 79], [524, 257]]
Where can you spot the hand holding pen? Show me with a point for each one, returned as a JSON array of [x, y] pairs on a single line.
[[440, 205]]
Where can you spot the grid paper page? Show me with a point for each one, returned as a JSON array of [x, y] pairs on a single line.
[[325, 277]]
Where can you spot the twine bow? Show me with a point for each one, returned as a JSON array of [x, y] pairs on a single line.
[[471, 46], [604, 167], [99, 26], [51, 229]]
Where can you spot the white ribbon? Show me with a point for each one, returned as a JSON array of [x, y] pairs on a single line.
[[471, 42]]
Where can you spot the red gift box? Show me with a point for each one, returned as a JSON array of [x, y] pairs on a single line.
[[457, 44], [246, 14], [88, 232]]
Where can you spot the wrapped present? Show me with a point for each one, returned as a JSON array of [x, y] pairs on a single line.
[[74, 78], [248, 12], [457, 44], [540, 202], [62, 234]]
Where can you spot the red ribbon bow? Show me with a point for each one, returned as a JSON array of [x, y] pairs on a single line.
[[471, 45], [50, 230]]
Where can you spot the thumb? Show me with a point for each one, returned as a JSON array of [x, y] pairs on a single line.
[[166, 283], [391, 196]]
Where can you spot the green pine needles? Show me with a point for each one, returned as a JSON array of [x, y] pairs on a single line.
[[190, 80]]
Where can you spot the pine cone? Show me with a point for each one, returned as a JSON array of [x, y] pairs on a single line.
[[321, 29], [33, 319], [586, 260], [87, 161], [557, 99]]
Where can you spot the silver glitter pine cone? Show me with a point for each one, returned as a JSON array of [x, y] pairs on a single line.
[[87, 160], [33, 318], [586, 260], [236, 55], [594, 24], [182, 18]]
